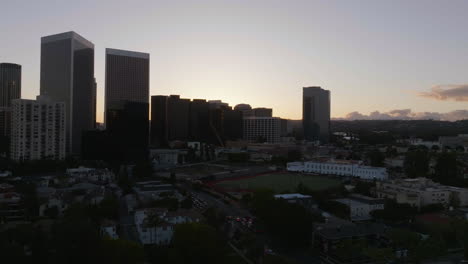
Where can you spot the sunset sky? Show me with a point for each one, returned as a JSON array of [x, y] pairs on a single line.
[[373, 55]]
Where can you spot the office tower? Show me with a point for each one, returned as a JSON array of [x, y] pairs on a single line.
[[10, 88], [93, 104], [283, 127], [38, 129], [262, 129], [200, 121], [263, 112], [232, 124], [242, 107], [316, 114], [247, 111], [178, 118], [158, 132], [67, 75], [126, 102]]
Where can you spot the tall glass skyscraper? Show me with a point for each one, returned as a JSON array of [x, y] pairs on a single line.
[[127, 102], [316, 114], [67, 75]]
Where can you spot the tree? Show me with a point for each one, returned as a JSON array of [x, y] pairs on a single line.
[[187, 203], [395, 212], [336, 208], [446, 167], [143, 169], [428, 249], [153, 221], [197, 243], [376, 158], [289, 224], [454, 200], [403, 239], [416, 163], [275, 259], [363, 187], [294, 155], [121, 252]]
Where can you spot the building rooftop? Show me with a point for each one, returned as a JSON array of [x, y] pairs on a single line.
[[67, 35], [127, 53], [292, 196], [351, 231]]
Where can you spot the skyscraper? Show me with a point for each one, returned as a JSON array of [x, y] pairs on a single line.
[[38, 129], [127, 101], [67, 75], [159, 121], [178, 118], [10, 88], [316, 114]]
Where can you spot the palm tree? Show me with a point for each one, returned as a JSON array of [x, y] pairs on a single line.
[[152, 221]]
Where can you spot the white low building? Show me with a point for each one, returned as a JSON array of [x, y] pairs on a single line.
[[361, 206], [160, 232], [340, 168], [109, 229]]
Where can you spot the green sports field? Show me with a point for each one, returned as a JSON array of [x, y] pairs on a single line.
[[280, 182]]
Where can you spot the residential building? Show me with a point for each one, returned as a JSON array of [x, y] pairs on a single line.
[[262, 129], [148, 191], [340, 168], [327, 237], [454, 142], [155, 226], [108, 229], [167, 157], [38, 129], [127, 103], [91, 174], [316, 114], [421, 192], [361, 206], [11, 207], [67, 75], [176, 119]]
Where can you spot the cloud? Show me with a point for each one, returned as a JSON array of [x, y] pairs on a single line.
[[448, 92], [407, 114]]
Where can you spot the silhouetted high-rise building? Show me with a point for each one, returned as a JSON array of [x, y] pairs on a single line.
[[263, 112], [178, 118], [200, 121], [10, 88], [67, 75], [126, 102], [158, 133], [232, 124], [316, 114]]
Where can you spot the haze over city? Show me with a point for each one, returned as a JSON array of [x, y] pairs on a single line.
[[371, 55]]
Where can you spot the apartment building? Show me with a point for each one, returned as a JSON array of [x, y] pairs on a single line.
[[421, 192]]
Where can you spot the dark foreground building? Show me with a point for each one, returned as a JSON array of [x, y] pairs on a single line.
[[126, 103], [10, 89]]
